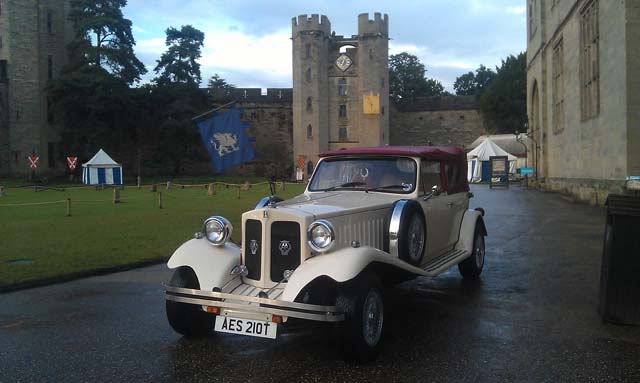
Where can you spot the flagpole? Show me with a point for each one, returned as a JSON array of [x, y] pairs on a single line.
[[213, 110]]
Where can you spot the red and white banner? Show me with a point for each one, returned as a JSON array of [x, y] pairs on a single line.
[[33, 162], [72, 162], [301, 161]]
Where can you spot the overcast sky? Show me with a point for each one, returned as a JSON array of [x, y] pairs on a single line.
[[248, 41]]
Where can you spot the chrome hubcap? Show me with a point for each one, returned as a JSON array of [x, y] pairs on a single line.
[[479, 250], [373, 316], [416, 238]]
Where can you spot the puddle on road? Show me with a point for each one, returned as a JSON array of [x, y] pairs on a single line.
[[20, 261]]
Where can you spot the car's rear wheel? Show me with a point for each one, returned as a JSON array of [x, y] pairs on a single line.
[[471, 268], [362, 331], [187, 319]]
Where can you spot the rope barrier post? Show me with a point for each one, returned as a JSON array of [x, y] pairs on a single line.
[[211, 189], [238, 192], [68, 207], [1, 191], [168, 185], [116, 195], [139, 180], [160, 200], [154, 188]]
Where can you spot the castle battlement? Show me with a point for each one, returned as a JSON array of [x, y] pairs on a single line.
[[315, 23], [379, 24]]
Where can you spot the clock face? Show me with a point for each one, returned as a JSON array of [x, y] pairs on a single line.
[[343, 62]]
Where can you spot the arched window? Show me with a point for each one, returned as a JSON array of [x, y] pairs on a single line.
[[309, 131], [308, 74], [342, 87], [309, 108]]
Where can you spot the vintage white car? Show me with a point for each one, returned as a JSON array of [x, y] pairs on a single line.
[[368, 219]]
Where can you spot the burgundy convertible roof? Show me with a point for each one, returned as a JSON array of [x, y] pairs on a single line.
[[436, 153], [453, 181]]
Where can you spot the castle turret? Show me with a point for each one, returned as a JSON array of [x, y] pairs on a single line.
[[373, 60], [340, 87], [310, 48]]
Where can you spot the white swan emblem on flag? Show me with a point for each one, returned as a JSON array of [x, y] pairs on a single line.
[[225, 143]]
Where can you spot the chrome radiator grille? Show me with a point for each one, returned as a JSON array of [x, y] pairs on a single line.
[[253, 248], [285, 248]]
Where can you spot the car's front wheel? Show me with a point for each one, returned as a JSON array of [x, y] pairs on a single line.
[[471, 268], [363, 328], [187, 319]]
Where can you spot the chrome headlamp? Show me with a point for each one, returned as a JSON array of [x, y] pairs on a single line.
[[217, 230], [320, 236]]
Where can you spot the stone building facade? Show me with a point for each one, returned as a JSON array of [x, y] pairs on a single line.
[[451, 120], [583, 94], [33, 39], [340, 86]]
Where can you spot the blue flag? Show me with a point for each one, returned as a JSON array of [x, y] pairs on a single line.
[[225, 138]]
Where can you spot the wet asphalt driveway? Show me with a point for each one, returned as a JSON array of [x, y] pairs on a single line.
[[532, 317]]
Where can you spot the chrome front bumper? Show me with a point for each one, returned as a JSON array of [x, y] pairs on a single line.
[[252, 307]]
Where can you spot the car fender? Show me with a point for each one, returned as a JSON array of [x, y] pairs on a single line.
[[211, 264], [470, 220], [341, 266]]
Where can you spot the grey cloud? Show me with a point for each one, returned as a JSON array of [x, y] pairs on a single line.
[[463, 30]]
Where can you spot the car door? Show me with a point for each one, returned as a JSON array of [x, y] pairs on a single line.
[[457, 199], [436, 209]]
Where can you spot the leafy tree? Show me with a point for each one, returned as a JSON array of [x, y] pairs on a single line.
[[219, 87], [465, 85], [474, 84], [503, 103], [407, 78], [93, 109], [103, 38], [178, 64], [176, 140], [434, 87], [484, 77]]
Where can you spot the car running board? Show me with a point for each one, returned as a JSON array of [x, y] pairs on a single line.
[[445, 261]]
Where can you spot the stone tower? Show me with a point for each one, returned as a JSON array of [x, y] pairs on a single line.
[[33, 38], [340, 87]]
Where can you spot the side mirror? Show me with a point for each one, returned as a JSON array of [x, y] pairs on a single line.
[[435, 191]]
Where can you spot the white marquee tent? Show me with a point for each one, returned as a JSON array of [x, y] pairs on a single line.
[[101, 170], [478, 160]]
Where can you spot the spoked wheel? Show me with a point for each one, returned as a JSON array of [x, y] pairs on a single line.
[[406, 232], [187, 319], [471, 268], [363, 328], [415, 234]]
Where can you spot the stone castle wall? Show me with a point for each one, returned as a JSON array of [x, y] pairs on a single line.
[[270, 120], [443, 121], [34, 39], [436, 121]]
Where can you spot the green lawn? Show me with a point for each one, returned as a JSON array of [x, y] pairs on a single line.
[[101, 234]]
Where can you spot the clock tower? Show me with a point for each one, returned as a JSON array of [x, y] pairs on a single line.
[[340, 87]]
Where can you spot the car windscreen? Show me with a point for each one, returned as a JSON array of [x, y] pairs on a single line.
[[385, 174]]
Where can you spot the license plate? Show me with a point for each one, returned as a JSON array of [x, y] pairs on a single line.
[[246, 327]]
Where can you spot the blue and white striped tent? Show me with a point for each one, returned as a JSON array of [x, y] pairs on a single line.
[[101, 170]]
